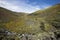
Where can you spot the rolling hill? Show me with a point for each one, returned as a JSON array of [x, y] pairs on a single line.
[[9, 20], [39, 21], [51, 16]]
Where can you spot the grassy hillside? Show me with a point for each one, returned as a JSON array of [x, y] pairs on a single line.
[[39, 21], [51, 16], [39, 25], [16, 22], [11, 20]]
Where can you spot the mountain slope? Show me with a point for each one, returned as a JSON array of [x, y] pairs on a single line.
[[18, 22], [11, 20], [39, 21], [51, 16], [48, 11]]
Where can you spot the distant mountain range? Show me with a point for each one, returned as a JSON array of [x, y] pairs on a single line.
[[41, 20]]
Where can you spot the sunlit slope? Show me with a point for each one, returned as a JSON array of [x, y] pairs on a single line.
[[17, 22], [48, 11], [50, 15], [39, 21]]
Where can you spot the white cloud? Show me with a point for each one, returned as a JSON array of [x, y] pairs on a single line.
[[21, 7]]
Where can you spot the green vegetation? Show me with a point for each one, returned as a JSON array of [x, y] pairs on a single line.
[[30, 23], [39, 22]]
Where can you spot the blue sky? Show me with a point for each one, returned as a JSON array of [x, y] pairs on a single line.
[[27, 6]]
